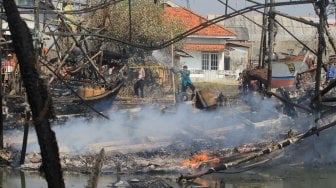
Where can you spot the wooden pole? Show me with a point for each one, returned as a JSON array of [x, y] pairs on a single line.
[[173, 66], [23, 179], [270, 46], [96, 169], [320, 50], [25, 136], [263, 39]]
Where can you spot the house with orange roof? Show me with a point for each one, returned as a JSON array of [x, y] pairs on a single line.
[[216, 52]]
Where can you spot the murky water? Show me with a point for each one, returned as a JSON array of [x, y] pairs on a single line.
[[273, 178]]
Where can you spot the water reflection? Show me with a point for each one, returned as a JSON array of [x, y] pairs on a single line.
[[270, 178]]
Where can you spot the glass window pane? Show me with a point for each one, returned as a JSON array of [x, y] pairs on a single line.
[[205, 61], [214, 61]]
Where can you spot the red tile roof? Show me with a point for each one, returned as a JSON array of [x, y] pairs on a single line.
[[191, 20], [204, 47]]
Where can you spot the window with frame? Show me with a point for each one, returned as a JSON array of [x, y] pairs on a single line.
[[205, 61], [209, 61]]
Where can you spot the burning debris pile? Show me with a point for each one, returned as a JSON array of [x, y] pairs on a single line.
[[169, 159]]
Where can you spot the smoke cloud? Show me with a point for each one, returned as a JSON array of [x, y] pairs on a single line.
[[145, 127]]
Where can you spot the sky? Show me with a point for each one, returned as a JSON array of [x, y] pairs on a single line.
[[205, 7]]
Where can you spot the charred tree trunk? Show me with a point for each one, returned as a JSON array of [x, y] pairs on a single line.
[[39, 98]]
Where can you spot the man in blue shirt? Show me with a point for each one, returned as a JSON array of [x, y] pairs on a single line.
[[186, 82], [330, 72]]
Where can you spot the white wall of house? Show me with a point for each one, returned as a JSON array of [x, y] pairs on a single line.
[[238, 62], [194, 62], [221, 60]]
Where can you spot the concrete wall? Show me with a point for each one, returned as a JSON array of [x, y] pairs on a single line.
[[193, 63], [239, 60]]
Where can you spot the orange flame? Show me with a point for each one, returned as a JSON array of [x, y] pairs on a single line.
[[199, 159]]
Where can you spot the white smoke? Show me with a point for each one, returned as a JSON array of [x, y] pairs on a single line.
[[229, 127]]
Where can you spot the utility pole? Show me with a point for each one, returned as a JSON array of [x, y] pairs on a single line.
[[270, 46], [263, 39]]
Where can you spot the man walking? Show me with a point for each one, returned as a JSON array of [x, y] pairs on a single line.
[[139, 84], [186, 82]]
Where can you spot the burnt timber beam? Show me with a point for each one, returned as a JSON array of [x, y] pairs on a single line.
[[321, 47], [263, 39], [67, 52], [58, 48], [311, 23], [290, 102], [270, 47], [83, 51], [331, 85], [254, 2], [62, 18], [329, 99]]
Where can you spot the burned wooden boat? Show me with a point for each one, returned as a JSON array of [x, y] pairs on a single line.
[[86, 97]]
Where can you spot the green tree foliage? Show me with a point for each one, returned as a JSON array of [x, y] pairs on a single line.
[[149, 23]]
